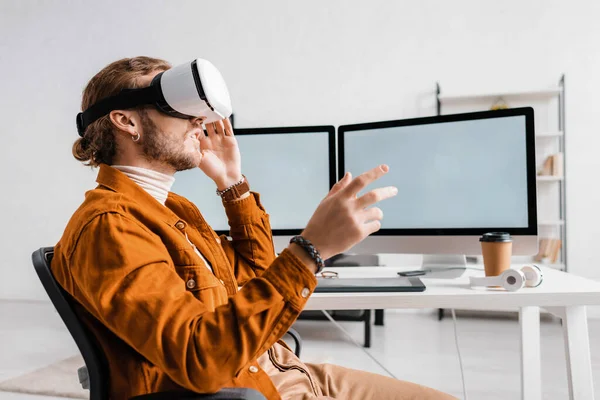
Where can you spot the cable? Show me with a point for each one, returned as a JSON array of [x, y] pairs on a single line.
[[356, 343], [462, 372], [475, 268]]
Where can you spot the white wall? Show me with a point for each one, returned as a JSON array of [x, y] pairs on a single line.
[[302, 62]]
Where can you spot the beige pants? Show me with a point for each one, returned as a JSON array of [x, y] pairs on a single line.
[[296, 380]]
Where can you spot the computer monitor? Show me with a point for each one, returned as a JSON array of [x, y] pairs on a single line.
[[292, 168], [458, 176]]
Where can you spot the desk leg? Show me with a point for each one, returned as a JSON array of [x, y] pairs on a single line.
[[577, 351], [531, 363]]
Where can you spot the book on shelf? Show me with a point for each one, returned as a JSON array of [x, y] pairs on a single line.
[[549, 250], [546, 167], [557, 164], [553, 166]]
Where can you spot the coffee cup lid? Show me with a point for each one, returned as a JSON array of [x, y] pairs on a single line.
[[496, 237]]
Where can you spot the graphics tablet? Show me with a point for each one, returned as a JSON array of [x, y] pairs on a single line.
[[393, 284]]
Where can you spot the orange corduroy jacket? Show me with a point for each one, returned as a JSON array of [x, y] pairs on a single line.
[[164, 320]]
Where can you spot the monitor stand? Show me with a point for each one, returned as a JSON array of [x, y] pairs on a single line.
[[434, 266], [444, 266]]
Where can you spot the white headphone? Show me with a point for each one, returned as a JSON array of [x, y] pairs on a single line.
[[512, 279]]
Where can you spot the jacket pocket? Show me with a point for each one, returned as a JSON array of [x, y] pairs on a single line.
[[203, 285], [197, 277]]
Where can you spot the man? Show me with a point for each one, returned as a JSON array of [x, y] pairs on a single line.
[[159, 288]]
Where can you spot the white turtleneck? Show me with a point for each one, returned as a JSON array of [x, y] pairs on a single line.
[[157, 185]]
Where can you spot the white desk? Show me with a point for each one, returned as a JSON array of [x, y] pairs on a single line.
[[562, 294]]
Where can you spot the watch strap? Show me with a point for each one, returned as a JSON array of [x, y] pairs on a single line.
[[235, 191]]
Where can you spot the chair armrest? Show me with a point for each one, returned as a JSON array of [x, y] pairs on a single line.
[[223, 394], [297, 341]]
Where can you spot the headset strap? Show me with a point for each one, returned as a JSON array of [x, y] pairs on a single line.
[[128, 98]]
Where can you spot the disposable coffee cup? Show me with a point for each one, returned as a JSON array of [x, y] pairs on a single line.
[[496, 248]]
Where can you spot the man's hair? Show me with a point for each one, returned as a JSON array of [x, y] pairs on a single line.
[[98, 145]]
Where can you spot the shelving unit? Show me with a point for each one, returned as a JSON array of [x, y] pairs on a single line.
[[531, 94], [551, 223], [549, 178], [549, 106], [549, 135]]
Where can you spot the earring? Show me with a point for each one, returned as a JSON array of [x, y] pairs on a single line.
[[136, 138]]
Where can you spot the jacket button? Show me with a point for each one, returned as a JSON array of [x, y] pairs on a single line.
[[180, 225], [253, 369], [191, 284], [218, 240], [305, 292]]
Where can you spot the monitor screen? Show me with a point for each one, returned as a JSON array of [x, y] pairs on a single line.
[[292, 169], [455, 174]]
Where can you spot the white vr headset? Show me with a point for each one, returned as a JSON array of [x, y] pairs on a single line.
[[193, 89], [512, 279]]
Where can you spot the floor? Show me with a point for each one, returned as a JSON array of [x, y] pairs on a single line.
[[413, 345]]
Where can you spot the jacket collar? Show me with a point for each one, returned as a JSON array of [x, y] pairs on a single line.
[[118, 182]]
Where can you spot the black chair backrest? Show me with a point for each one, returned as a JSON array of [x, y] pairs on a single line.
[[91, 351]]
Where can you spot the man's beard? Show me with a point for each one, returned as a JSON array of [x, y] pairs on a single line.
[[157, 147]]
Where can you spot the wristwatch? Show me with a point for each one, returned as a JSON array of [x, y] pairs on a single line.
[[235, 191]]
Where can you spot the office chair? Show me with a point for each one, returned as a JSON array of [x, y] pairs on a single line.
[[94, 376]]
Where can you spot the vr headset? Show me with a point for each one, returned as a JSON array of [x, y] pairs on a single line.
[[194, 89]]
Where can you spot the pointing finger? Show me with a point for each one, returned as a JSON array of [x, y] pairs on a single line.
[[364, 179]]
